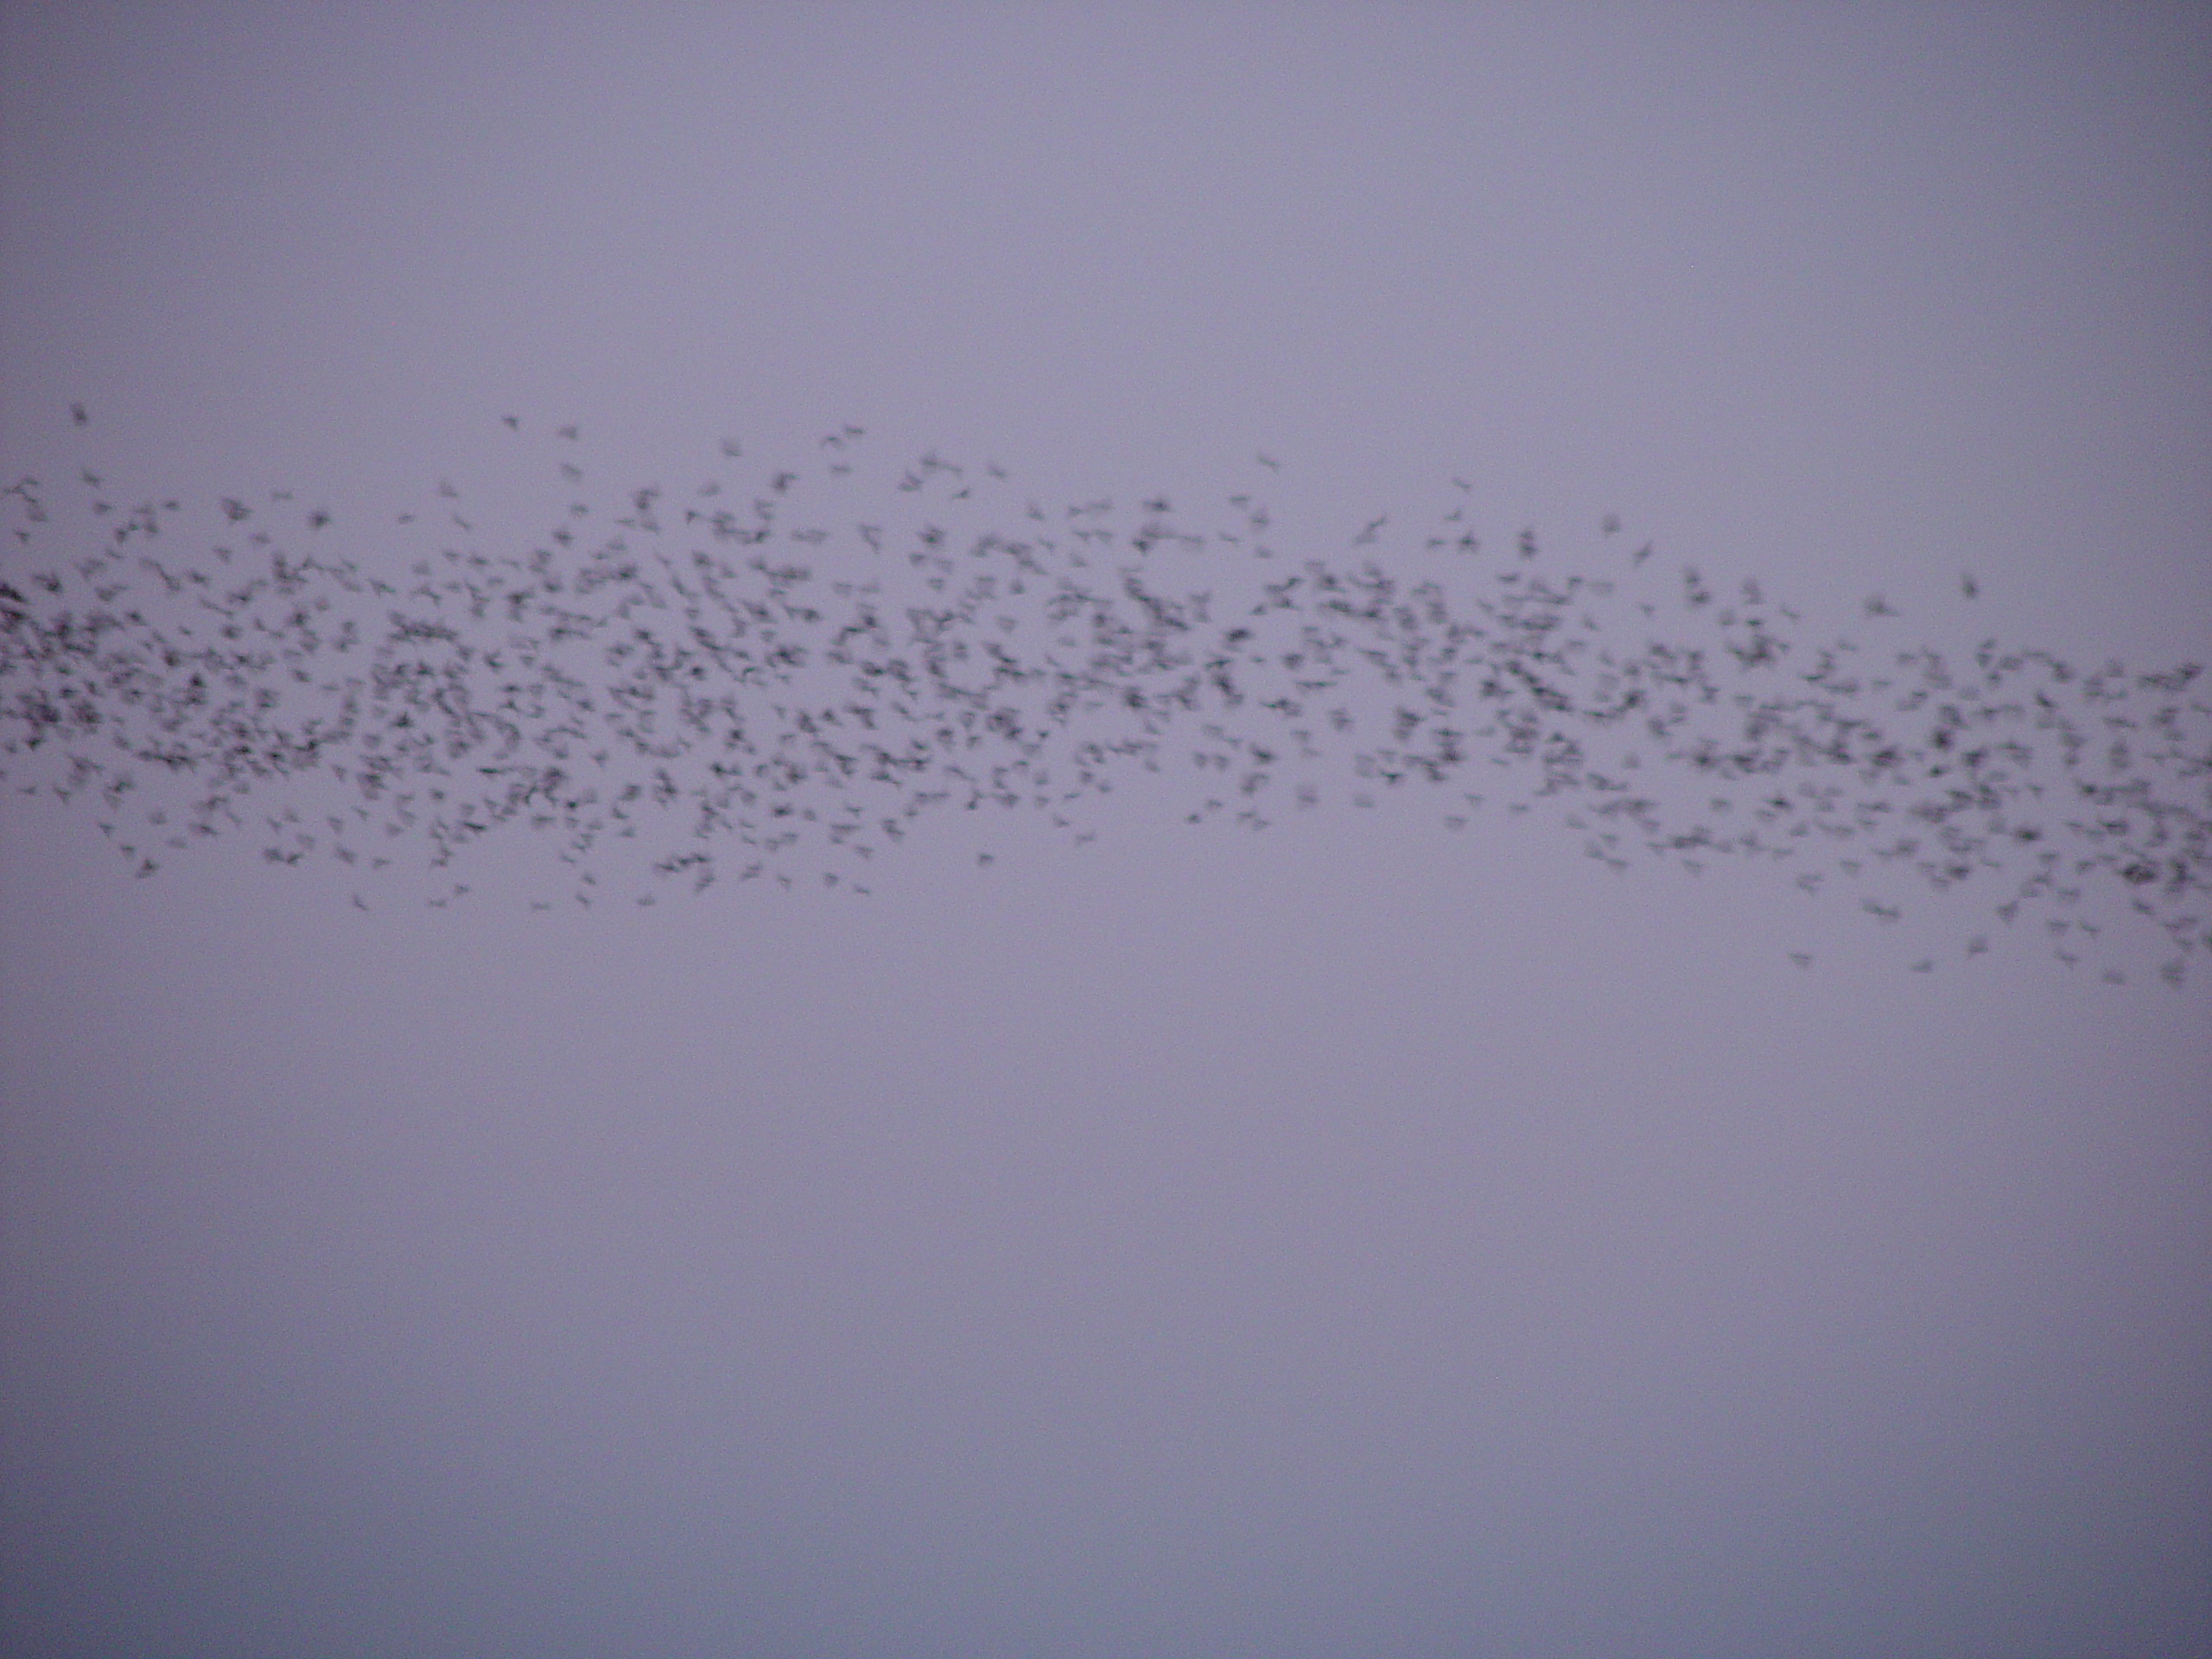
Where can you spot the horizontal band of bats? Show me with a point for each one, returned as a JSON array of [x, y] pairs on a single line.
[[772, 676]]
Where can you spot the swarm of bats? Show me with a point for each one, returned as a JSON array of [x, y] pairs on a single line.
[[774, 676]]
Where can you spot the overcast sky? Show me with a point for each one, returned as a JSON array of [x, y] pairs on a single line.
[[1361, 1235]]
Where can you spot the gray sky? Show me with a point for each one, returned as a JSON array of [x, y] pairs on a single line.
[[1360, 1235]]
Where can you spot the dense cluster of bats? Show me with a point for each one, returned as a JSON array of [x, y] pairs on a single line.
[[775, 679]]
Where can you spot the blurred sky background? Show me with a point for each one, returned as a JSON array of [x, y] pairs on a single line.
[[1358, 1237]]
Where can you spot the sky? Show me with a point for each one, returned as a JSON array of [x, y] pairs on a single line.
[[1389, 1231]]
